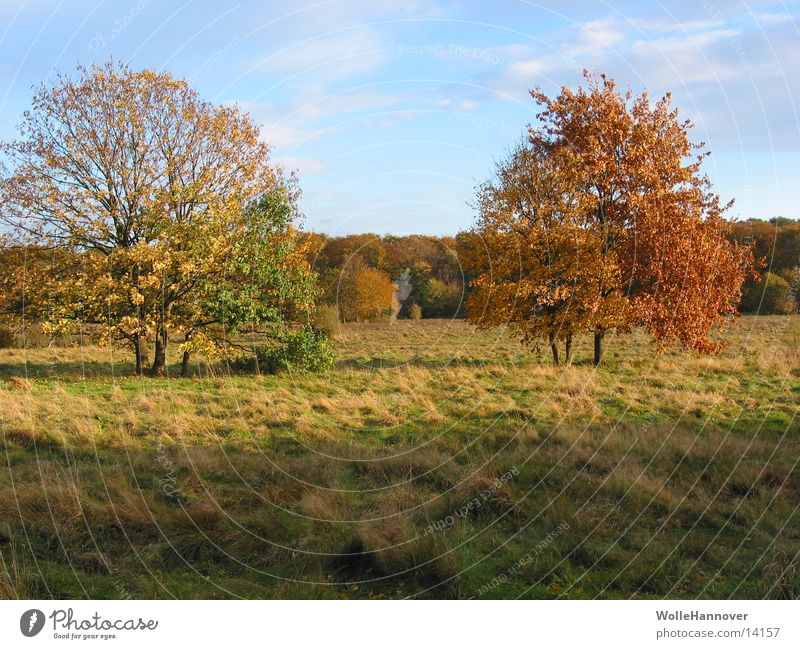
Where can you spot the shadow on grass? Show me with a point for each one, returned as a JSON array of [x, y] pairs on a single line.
[[379, 363], [75, 370]]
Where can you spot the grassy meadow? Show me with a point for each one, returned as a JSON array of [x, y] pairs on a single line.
[[434, 461]]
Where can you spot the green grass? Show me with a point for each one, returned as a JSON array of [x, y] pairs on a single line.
[[654, 476]]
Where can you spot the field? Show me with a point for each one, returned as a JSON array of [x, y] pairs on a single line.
[[433, 461]]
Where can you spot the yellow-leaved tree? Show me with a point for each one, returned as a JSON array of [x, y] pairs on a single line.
[[169, 213]]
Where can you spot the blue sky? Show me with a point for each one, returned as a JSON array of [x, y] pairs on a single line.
[[393, 111]]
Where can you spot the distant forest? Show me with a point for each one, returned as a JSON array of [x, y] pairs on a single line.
[[426, 273]]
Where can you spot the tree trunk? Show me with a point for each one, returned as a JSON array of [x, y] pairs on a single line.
[[185, 360], [185, 365], [568, 350], [140, 350], [598, 347], [160, 359], [554, 349]]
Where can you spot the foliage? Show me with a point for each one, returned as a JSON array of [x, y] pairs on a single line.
[[415, 312], [442, 299], [305, 349], [326, 318], [597, 222], [7, 337], [430, 263], [437, 298], [265, 278], [373, 295], [777, 241], [769, 296], [361, 292], [166, 210], [337, 252]]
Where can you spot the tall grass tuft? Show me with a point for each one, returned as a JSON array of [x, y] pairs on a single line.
[[16, 577], [326, 318]]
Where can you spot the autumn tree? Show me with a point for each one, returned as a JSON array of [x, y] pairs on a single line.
[[264, 278], [374, 295], [152, 189], [337, 285], [335, 252], [363, 292], [600, 220], [30, 278], [535, 266]]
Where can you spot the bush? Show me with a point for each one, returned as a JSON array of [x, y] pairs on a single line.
[[303, 350], [769, 296], [436, 298], [415, 312], [441, 300], [7, 338], [326, 318]]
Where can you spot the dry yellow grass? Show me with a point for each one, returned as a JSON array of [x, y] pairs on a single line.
[[416, 419]]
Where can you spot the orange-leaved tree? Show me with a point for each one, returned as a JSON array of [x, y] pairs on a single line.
[[360, 291], [601, 219], [373, 295]]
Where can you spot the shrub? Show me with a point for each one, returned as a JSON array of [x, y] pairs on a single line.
[[438, 299], [326, 318], [442, 300], [303, 350], [415, 312], [7, 338], [306, 349], [769, 296]]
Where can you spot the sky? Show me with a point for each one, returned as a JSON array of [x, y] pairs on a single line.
[[392, 112]]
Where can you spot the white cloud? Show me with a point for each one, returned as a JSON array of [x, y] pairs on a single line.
[[734, 77], [767, 18], [305, 166], [600, 34], [282, 129], [328, 57], [348, 102]]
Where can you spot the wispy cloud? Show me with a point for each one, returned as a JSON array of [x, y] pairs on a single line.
[[330, 56]]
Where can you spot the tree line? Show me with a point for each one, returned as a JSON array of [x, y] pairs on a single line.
[[373, 277], [439, 283]]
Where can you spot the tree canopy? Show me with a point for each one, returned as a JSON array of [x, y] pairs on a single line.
[[168, 213], [601, 219]]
